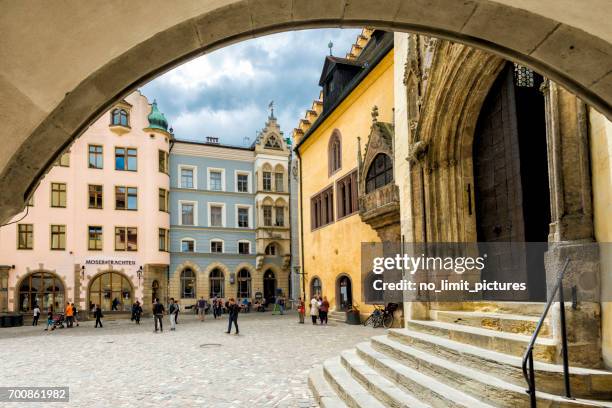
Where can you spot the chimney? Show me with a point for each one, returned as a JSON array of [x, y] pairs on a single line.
[[212, 140]]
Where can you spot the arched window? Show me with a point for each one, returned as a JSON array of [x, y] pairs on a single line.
[[244, 284], [43, 289], [188, 284], [334, 153], [119, 117], [217, 283], [380, 172], [272, 142], [272, 249], [316, 289], [111, 291]]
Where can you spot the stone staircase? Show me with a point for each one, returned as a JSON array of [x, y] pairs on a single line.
[[460, 358], [337, 316]]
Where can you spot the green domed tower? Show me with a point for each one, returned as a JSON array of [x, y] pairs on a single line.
[[158, 121]]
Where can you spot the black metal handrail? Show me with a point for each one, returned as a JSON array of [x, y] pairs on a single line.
[[528, 356]]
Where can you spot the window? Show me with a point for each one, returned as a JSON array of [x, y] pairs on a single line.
[[216, 216], [58, 237], [119, 117], [278, 182], [271, 249], [64, 160], [334, 153], [346, 191], [215, 181], [163, 199], [58, 195], [216, 247], [95, 157], [267, 215], [126, 159], [40, 289], [25, 236], [163, 161], [217, 283], [273, 143], [187, 214], [315, 287], [380, 172], [322, 208], [279, 212], [95, 196], [244, 248], [126, 198], [187, 245], [111, 291], [243, 217], [267, 181], [186, 178], [188, 284], [126, 239], [94, 242], [242, 183], [244, 284], [163, 239]]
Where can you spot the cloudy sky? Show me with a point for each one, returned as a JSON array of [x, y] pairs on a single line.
[[226, 93]]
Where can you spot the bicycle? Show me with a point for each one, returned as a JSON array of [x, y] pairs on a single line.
[[381, 316]]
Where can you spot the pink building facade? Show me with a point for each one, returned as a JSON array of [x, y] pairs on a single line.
[[96, 231]]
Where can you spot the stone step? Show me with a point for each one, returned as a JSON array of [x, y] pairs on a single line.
[[346, 387], [427, 388], [322, 391], [506, 322], [337, 316], [508, 343], [585, 382], [480, 384], [520, 308], [386, 391]]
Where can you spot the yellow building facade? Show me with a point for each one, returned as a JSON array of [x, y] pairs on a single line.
[[331, 249]]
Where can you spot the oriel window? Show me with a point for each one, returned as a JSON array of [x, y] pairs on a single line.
[[267, 215], [119, 117], [278, 182], [279, 213], [267, 181]]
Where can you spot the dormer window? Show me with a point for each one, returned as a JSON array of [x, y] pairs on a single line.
[[119, 117], [273, 143]]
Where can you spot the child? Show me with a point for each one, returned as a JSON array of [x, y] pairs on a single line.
[[50, 319]]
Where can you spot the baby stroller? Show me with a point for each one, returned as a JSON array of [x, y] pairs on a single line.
[[58, 321]]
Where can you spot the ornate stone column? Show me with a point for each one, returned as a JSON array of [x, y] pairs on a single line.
[[571, 228]]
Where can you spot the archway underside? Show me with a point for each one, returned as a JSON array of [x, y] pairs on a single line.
[[91, 63]]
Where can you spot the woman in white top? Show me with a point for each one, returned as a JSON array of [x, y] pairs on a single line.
[[314, 309]]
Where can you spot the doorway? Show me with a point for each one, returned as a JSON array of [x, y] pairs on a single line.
[[269, 285], [512, 199], [344, 293]]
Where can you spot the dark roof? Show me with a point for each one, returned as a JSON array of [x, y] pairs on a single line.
[[331, 62], [225, 146], [376, 55]]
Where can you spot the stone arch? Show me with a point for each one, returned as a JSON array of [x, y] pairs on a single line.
[[45, 116], [175, 279], [279, 248], [281, 275], [101, 272], [253, 276], [441, 148], [30, 272]]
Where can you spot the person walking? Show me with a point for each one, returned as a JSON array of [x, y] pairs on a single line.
[[280, 300], [35, 315], [217, 307], [137, 312], [172, 313], [98, 315], [201, 308], [314, 309], [158, 314], [115, 304], [232, 310], [75, 314], [323, 310], [300, 309], [69, 314], [50, 319]]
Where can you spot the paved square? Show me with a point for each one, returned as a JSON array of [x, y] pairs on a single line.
[[124, 365]]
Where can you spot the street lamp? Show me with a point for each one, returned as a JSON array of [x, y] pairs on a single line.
[[139, 274], [82, 272]]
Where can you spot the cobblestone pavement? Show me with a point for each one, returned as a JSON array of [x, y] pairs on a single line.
[[198, 365]]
